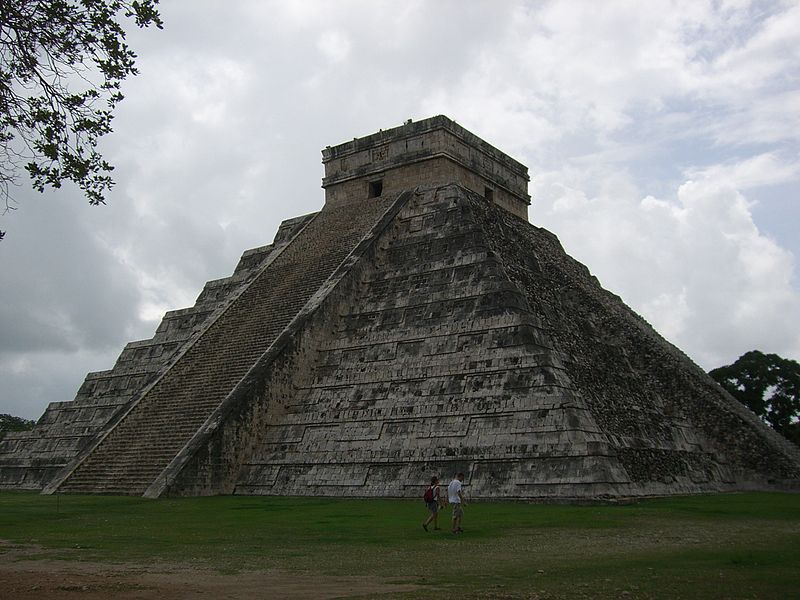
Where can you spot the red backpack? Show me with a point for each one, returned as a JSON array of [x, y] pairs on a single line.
[[428, 496]]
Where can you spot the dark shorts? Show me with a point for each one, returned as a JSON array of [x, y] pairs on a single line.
[[433, 507], [457, 510]]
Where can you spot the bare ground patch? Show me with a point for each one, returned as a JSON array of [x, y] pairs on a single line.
[[22, 578]]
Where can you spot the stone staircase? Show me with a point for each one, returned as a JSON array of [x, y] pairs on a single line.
[[170, 412], [433, 358], [30, 459]]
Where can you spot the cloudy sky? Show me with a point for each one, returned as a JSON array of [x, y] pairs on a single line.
[[663, 140]]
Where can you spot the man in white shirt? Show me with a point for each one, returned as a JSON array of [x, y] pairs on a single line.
[[456, 499]]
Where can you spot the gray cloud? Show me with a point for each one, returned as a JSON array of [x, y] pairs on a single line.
[[651, 133]]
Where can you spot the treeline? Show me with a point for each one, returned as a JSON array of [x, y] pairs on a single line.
[[769, 385], [12, 423]]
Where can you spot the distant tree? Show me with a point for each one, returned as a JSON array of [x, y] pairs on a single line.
[[767, 384], [11, 423], [61, 66]]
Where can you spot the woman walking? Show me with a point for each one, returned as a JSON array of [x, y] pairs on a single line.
[[433, 502]]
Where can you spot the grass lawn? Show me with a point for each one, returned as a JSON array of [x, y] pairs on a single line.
[[722, 546]]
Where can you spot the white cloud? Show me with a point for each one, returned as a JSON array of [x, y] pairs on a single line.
[[771, 52], [671, 311], [334, 45], [755, 171], [696, 266]]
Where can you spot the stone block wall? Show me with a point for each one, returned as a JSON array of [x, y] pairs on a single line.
[[429, 363], [671, 426], [212, 461], [424, 174], [467, 340]]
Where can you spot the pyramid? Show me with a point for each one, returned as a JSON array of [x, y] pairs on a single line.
[[416, 325]]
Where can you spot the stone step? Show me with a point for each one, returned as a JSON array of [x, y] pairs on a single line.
[[170, 413]]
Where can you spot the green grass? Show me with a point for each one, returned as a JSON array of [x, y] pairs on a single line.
[[723, 546]]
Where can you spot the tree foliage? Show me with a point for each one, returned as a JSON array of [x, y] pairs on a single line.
[[61, 66], [767, 384], [11, 423]]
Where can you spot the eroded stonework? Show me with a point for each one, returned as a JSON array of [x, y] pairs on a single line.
[[404, 330]]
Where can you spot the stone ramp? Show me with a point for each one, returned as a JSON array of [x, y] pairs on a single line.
[[133, 454]]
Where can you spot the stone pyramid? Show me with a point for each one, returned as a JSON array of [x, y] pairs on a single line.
[[416, 325]]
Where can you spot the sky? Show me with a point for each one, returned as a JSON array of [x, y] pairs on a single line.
[[662, 139]]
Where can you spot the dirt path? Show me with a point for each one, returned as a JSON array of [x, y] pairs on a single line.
[[25, 579]]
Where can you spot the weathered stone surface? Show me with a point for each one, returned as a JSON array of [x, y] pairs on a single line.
[[468, 340], [129, 457], [415, 326], [432, 151]]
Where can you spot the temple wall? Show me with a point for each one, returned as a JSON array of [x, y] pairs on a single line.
[[432, 171], [424, 153]]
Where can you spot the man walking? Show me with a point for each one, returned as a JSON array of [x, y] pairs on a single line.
[[456, 499]]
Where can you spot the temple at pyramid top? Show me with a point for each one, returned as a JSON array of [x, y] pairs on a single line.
[[422, 153]]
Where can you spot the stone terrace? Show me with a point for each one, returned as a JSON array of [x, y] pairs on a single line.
[[135, 452]]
